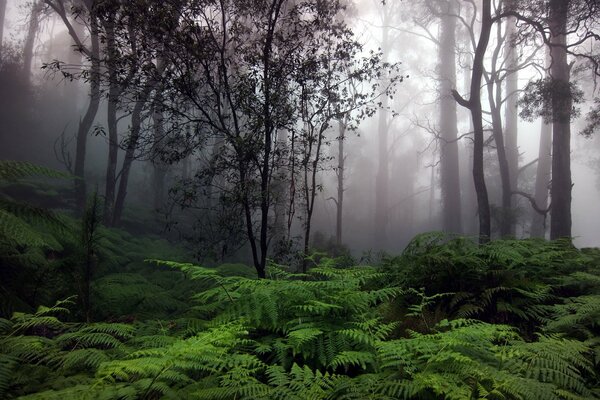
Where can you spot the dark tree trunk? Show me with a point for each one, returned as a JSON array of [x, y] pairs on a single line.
[[560, 190], [310, 185], [113, 135], [383, 176], [511, 113], [542, 181], [474, 105], [340, 183], [85, 124], [159, 170], [495, 98], [449, 170], [279, 192], [32, 31], [136, 126]]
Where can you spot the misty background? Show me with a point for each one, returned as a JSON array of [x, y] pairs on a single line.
[[40, 110]]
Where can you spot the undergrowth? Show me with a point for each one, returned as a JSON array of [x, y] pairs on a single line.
[[447, 319]]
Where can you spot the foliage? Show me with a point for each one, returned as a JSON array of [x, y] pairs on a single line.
[[332, 333], [543, 97]]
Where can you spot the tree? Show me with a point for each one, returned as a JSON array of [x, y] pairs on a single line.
[[566, 26], [32, 31], [449, 171], [382, 179], [560, 190], [543, 172], [83, 9], [511, 117], [473, 104]]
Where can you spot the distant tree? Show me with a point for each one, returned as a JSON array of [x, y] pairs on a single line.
[[237, 78], [543, 172], [83, 10], [32, 32], [566, 27]]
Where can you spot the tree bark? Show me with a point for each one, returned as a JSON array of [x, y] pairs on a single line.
[[474, 105], [560, 191], [449, 165]]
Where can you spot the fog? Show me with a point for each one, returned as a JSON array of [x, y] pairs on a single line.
[[41, 110]]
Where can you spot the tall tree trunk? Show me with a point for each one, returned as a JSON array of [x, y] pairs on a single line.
[[136, 126], [310, 169], [85, 124], [542, 181], [382, 178], [494, 90], [511, 112], [474, 105], [159, 171], [113, 135], [2, 15], [543, 171], [470, 223], [279, 189], [449, 170], [560, 223], [32, 31], [340, 182]]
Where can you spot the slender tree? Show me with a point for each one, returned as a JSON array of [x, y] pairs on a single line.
[[473, 104], [382, 179], [84, 9], [560, 190], [449, 162], [512, 66]]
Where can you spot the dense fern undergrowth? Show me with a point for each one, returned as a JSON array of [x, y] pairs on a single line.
[[88, 312]]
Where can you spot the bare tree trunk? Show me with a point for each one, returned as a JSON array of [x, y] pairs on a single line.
[[88, 119], [2, 15], [474, 105], [159, 171], [136, 126], [32, 31], [495, 99], [560, 223], [310, 186], [113, 135], [279, 192], [382, 178], [449, 171], [542, 181], [511, 112], [340, 183], [543, 171]]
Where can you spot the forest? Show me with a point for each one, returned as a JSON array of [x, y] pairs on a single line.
[[299, 199]]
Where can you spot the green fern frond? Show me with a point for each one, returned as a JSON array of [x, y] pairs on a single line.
[[14, 170]]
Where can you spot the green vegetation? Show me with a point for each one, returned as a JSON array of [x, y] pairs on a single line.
[[447, 319]]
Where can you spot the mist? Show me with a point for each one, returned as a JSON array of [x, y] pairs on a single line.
[[299, 199]]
